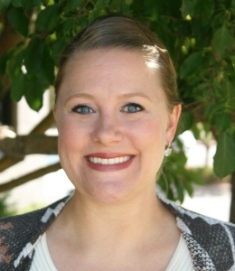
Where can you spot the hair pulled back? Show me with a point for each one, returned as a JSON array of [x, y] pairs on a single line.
[[118, 31]]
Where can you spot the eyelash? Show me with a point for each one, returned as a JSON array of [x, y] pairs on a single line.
[[81, 107], [78, 109], [133, 106]]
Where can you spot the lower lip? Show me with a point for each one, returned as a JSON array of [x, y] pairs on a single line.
[[106, 168]]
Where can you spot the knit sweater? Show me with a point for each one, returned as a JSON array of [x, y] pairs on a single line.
[[211, 242]]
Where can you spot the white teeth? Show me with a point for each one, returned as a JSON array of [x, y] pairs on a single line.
[[109, 161]]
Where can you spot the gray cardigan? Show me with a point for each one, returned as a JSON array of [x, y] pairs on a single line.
[[211, 242]]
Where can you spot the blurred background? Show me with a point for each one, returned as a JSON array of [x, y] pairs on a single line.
[[200, 37]]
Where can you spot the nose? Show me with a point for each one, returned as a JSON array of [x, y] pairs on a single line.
[[107, 130]]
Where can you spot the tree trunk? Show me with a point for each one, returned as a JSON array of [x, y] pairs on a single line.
[[232, 207]]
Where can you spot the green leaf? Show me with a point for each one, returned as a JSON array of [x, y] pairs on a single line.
[[33, 55], [233, 7], [25, 83], [4, 4], [56, 49], [106, 2], [222, 122], [186, 121], [38, 60], [48, 65], [18, 20], [212, 109], [28, 85], [96, 12], [179, 189], [196, 132], [222, 41], [16, 3], [34, 92], [129, 2], [188, 187], [191, 64], [72, 5], [16, 76], [197, 8], [48, 19], [188, 8], [100, 4], [29, 4], [224, 159], [205, 9], [115, 5], [229, 86]]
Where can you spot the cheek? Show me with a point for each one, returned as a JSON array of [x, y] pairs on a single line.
[[149, 141], [66, 133], [150, 133], [70, 136]]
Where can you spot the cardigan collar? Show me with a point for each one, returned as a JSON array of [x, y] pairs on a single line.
[[210, 242]]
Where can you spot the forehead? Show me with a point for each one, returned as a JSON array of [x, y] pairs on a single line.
[[111, 69], [112, 61], [109, 56]]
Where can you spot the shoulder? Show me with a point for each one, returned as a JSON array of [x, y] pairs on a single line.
[[28, 220], [18, 234], [190, 217], [194, 220], [210, 241], [195, 223]]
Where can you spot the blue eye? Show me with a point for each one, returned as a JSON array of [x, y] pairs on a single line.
[[132, 108], [82, 109]]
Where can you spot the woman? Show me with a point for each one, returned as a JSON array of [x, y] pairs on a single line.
[[117, 111]]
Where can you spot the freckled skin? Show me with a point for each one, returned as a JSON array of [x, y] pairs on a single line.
[[106, 81]]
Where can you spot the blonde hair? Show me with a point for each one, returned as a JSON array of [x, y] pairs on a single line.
[[118, 31]]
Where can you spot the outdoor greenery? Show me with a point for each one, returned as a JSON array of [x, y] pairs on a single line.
[[199, 34], [5, 208]]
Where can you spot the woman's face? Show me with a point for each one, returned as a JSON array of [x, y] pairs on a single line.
[[113, 124]]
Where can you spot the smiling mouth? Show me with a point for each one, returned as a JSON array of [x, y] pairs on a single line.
[[109, 161]]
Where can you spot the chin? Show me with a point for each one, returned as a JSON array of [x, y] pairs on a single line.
[[109, 195]]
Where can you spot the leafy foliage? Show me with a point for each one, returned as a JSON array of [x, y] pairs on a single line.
[[199, 34], [225, 150], [175, 180], [5, 209]]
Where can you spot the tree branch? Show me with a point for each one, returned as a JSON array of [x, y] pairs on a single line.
[[46, 123], [29, 177], [20, 146], [7, 162]]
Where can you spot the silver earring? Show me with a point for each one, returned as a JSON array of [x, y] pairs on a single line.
[[168, 150]]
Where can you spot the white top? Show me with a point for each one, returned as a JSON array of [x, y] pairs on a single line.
[[181, 260], [42, 258]]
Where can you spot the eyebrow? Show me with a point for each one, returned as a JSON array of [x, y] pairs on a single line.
[[135, 94], [80, 95], [122, 95]]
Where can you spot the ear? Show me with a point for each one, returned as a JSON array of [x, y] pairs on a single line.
[[173, 120]]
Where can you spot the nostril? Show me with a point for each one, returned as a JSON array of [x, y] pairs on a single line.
[[107, 133]]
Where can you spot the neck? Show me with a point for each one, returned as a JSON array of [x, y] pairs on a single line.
[[92, 223]]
